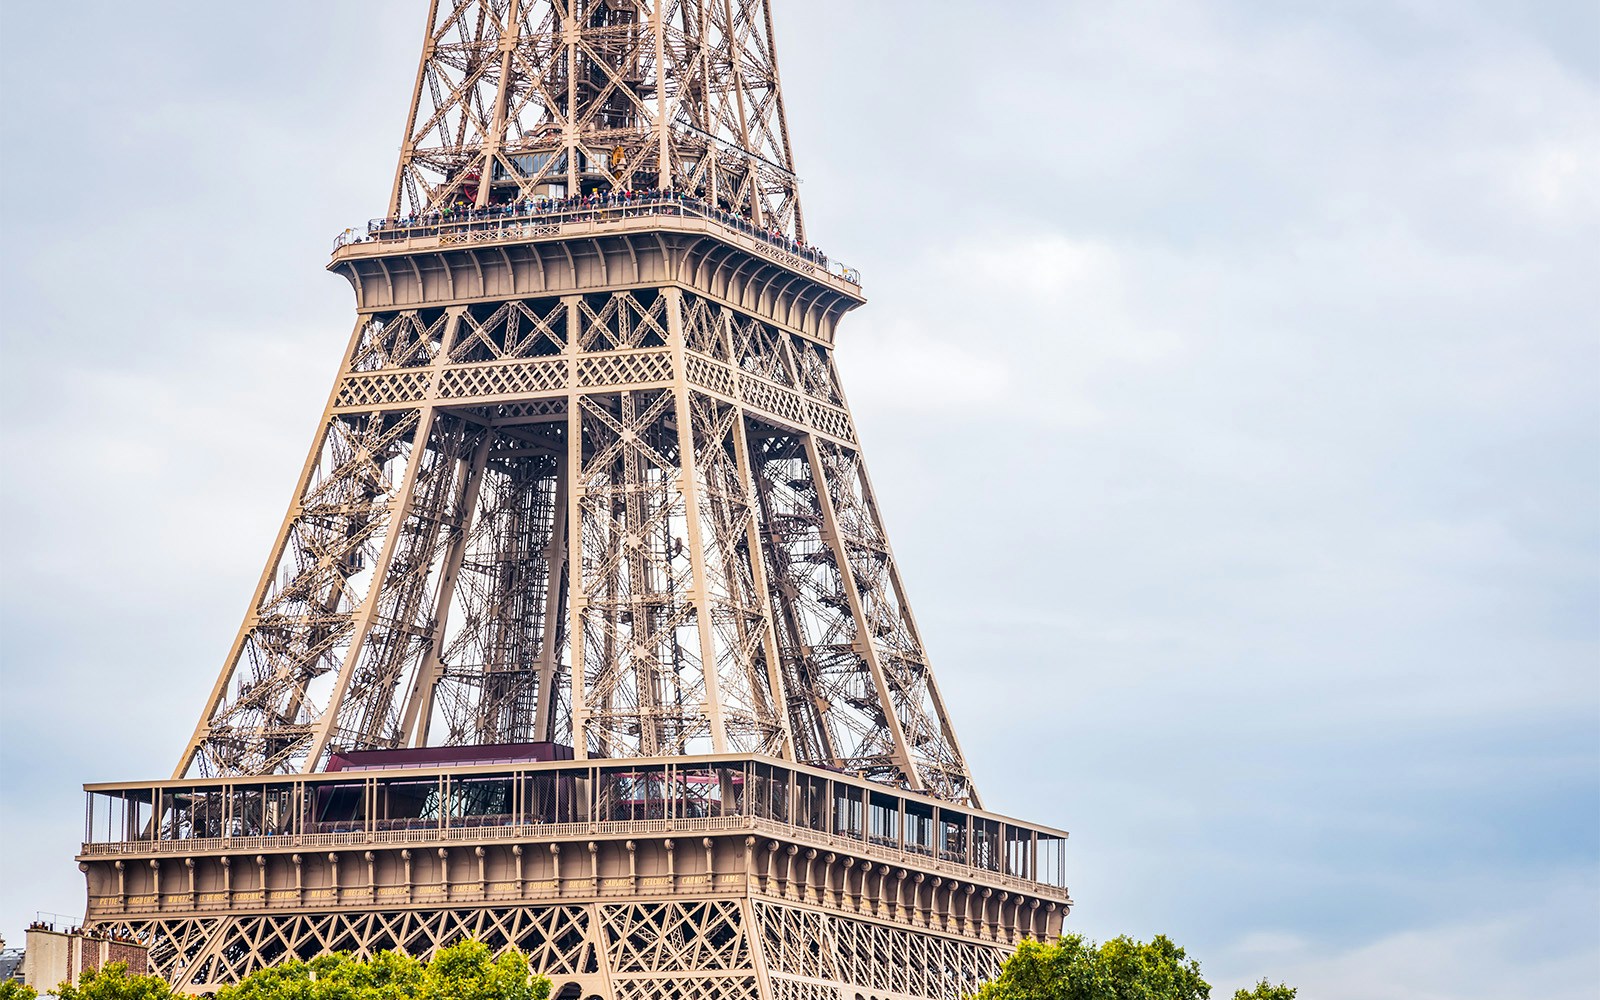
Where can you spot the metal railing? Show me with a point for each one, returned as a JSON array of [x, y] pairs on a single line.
[[550, 218], [569, 831]]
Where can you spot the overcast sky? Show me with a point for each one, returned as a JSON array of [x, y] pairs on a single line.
[[1230, 385]]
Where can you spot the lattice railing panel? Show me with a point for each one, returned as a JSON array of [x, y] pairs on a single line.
[[388, 389], [596, 370], [788, 406], [709, 374], [503, 379], [399, 340], [831, 421]]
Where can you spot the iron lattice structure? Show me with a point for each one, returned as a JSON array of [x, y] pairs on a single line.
[[736, 591], [584, 580], [666, 94], [666, 542]]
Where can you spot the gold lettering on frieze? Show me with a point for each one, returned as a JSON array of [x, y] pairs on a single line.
[[213, 897], [390, 891], [616, 883]]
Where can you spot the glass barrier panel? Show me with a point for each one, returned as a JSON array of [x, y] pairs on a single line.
[[631, 794], [701, 793], [1019, 852], [848, 809], [481, 802], [985, 844], [1053, 861], [811, 802], [883, 819], [952, 829], [408, 804], [119, 817], [772, 787], [337, 807], [919, 828]]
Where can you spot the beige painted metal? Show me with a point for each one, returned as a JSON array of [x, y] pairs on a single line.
[[752, 903], [587, 475], [704, 590], [559, 97]]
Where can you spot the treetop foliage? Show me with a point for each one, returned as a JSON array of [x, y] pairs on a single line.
[[1120, 969], [1266, 991], [465, 971], [1071, 969]]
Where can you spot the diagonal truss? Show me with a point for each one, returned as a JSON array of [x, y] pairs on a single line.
[[642, 560], [630, 515], [518, 99]]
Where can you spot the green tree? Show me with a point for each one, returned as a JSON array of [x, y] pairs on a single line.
[[10, 989], [1120, 969], [1266, 991], [113, 983], [465, 971]]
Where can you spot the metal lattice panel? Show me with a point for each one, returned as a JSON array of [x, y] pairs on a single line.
[[424, 591], [647, 949], [626, 511]]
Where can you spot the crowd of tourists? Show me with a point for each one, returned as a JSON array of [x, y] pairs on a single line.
[[588, 206]]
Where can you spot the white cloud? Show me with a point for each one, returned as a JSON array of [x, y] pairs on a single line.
[[1228, 384], [1544, 949], [905, 368]]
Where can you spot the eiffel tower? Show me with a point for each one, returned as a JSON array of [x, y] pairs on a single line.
[[582, 634]]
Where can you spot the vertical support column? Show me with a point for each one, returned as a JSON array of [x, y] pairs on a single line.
[[870, 498], [783, 117], [399, 510], [658, 19], [757, 941], [555, 558], [419, 705], [408, 141], [497, 130], [758, 577], [575, 490], [753, 176], [689, 485], [865, 647], [571, 36]]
